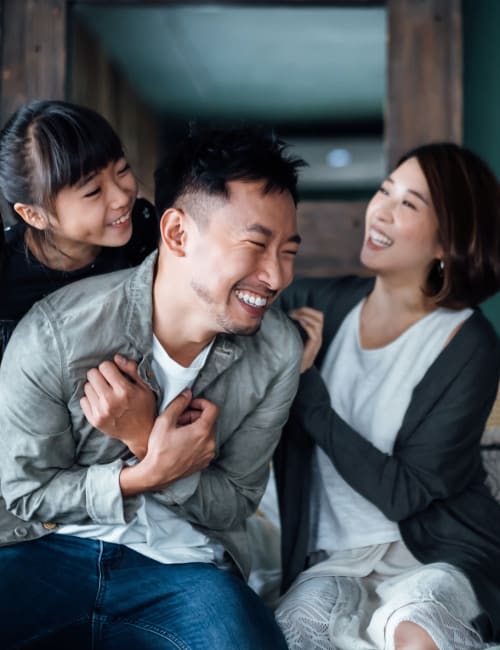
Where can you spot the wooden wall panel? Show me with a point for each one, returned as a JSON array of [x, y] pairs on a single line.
[[33, 52], [332, 234], [96, 82], [424, 100], [424, 74]]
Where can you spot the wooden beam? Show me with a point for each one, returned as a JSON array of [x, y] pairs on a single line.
[[33, 52], [238, 3], [332, 235], [424, 74]]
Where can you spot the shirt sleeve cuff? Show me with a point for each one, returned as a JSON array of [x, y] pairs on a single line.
[[105, 503]]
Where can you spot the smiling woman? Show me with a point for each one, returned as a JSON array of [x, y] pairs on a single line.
[[67, 184], [382, 448], [401, 228]]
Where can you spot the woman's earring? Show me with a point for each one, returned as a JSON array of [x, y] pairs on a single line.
[[441, 265]]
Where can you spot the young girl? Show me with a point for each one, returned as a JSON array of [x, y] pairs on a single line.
[[391, 538], [69, 205]]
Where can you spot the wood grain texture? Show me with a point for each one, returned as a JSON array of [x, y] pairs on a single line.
[[33, 52], [332, 235], [95, 82], [424, 74]]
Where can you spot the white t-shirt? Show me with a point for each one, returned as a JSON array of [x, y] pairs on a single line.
[[156, 531], [371, 391]]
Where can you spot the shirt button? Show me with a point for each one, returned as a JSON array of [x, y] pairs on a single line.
[[20, 531], [49, 525]]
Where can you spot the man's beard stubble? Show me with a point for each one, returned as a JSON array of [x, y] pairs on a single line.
[[225, 324]]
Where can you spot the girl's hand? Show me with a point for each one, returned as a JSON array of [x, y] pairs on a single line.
[[311, 320]]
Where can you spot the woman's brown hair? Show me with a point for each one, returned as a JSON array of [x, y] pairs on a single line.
[[466, 198]]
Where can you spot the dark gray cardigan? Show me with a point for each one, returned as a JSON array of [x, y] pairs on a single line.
[[433, 482]]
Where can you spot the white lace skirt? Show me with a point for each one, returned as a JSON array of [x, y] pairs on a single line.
[[353, 613]]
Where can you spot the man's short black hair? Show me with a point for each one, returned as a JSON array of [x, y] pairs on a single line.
[[204, 162]]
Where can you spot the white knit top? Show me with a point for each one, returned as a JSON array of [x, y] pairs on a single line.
[[371, 391]]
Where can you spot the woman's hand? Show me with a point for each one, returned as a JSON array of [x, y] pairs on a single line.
[[119, 403], [311, 320]]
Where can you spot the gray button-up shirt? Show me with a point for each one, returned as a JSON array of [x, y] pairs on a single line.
[[56, 468]]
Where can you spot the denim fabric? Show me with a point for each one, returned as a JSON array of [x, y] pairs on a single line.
[[67, 592]]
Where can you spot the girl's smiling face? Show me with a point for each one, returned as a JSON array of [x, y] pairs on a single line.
[[96, 210]]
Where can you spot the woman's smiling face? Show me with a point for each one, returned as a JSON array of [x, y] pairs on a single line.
[[401, 227]]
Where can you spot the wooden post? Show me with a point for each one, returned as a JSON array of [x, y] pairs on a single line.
[[424, 74], [33, 52]]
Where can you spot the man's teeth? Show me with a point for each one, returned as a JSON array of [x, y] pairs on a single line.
[[379, 239], [255, 301], [121, 220]]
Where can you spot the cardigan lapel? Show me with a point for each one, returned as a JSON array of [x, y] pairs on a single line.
[[336, 308], [429, 390]]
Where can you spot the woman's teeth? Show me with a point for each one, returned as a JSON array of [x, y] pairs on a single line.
[[254, 301], [379, 239]]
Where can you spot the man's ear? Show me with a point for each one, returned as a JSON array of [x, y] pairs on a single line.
[[173, 231], [32, 215]]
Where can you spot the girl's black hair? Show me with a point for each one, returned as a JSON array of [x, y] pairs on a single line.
[[48, 145]]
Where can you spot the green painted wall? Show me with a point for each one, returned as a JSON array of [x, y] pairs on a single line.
[[481, 28]]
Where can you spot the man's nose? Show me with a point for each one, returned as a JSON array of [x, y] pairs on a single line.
[[271, 272]]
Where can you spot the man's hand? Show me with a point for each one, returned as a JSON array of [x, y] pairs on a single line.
[[312, 322], [120, 404], [181, 443]]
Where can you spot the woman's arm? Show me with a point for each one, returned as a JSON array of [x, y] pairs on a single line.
[[437, 450]]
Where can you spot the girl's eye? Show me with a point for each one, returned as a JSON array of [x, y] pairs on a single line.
[[408, 204], [124, 169], [92, 192], [258, 243], [382, 190]]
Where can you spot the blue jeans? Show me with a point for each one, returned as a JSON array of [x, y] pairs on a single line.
[[80, 594]]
